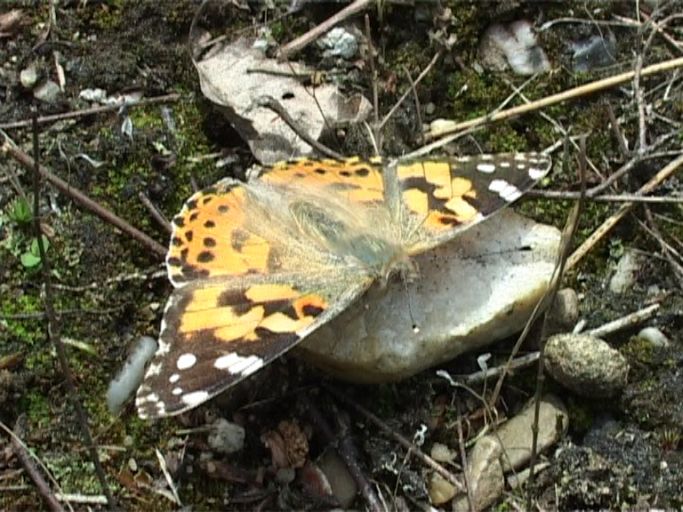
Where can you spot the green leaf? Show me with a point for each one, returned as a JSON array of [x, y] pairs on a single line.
[[29, 260], [34, 245]]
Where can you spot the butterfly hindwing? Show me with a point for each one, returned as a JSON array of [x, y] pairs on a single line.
[[216, 332]]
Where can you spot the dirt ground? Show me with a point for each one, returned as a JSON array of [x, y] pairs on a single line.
[[108, 288]]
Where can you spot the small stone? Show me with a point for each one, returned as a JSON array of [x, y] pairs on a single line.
[[484, 475], [47, 92], [442, 453], [565, 311], [440, 490], [430, 108], [339, 42], [285, 475], [128, 441], [586, 365], [624, 277], [343, 485], [28, 77], [226, 437], [512, 46], [132, 465], [515, 435], [595, 52], [96, 95], [654, 336]]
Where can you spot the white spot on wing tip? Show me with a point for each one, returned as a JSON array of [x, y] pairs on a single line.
[[234, 363], [186, 361], [505, 190], [536, 174], [486, 168], [195, 398]]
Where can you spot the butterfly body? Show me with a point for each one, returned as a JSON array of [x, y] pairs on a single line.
[[260, 265]]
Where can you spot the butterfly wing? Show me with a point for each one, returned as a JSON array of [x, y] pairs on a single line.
[[217, 331], [438, 199], [248, 288]]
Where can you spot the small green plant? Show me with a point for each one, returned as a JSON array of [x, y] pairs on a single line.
[[20, 211], [31, 257]]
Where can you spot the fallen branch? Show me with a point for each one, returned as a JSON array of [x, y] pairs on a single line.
[[80, 198], [446, 127]]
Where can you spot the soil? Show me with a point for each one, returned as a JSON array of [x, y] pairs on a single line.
[[109, 290]]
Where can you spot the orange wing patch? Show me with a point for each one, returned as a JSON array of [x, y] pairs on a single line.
[[209, 240], [432, 190], [215, 334], [358, 181]]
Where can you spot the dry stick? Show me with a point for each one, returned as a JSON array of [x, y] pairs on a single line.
[[463, 456], [80, 198], [426, 459], [582, 90], [346, 451], [608, 198], [155, 213], [666, 248], [614, 219], [302, 41], [25, 459], [89, 111], [624, 322], [410, 89], [53, 328], [570, 231], [275, 106]]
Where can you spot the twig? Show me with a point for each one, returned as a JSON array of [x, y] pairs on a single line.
[[448, 128], [666, 172], [80, 198], [155, 213], [90, 111], [463, 455], [668, 251], [426, 459], [346, 451], [483, 375], [302, 41], [410, 89], [376, 129], [25, 459], [275, 106], [571, 228], [607, 198], [53, 327], [85, 499], [625, 322]]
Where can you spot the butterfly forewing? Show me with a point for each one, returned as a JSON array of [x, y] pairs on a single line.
[[443, 197]]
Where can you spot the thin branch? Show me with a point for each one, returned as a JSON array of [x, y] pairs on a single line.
[[625, 322], [275, 106], [665, 173], [446, 128], [90, 111], [53, 327], [426, 459], [302, 41], [83, 200]]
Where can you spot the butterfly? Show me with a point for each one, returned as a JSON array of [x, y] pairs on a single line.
[[259, 265]]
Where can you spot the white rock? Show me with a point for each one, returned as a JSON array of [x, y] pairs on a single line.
[[28, 77], [654, 336], [442, 453], [338, 42], [226, 437], [586, 365], [122, 387], [625, 274], [478, 289], [514, 46]]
